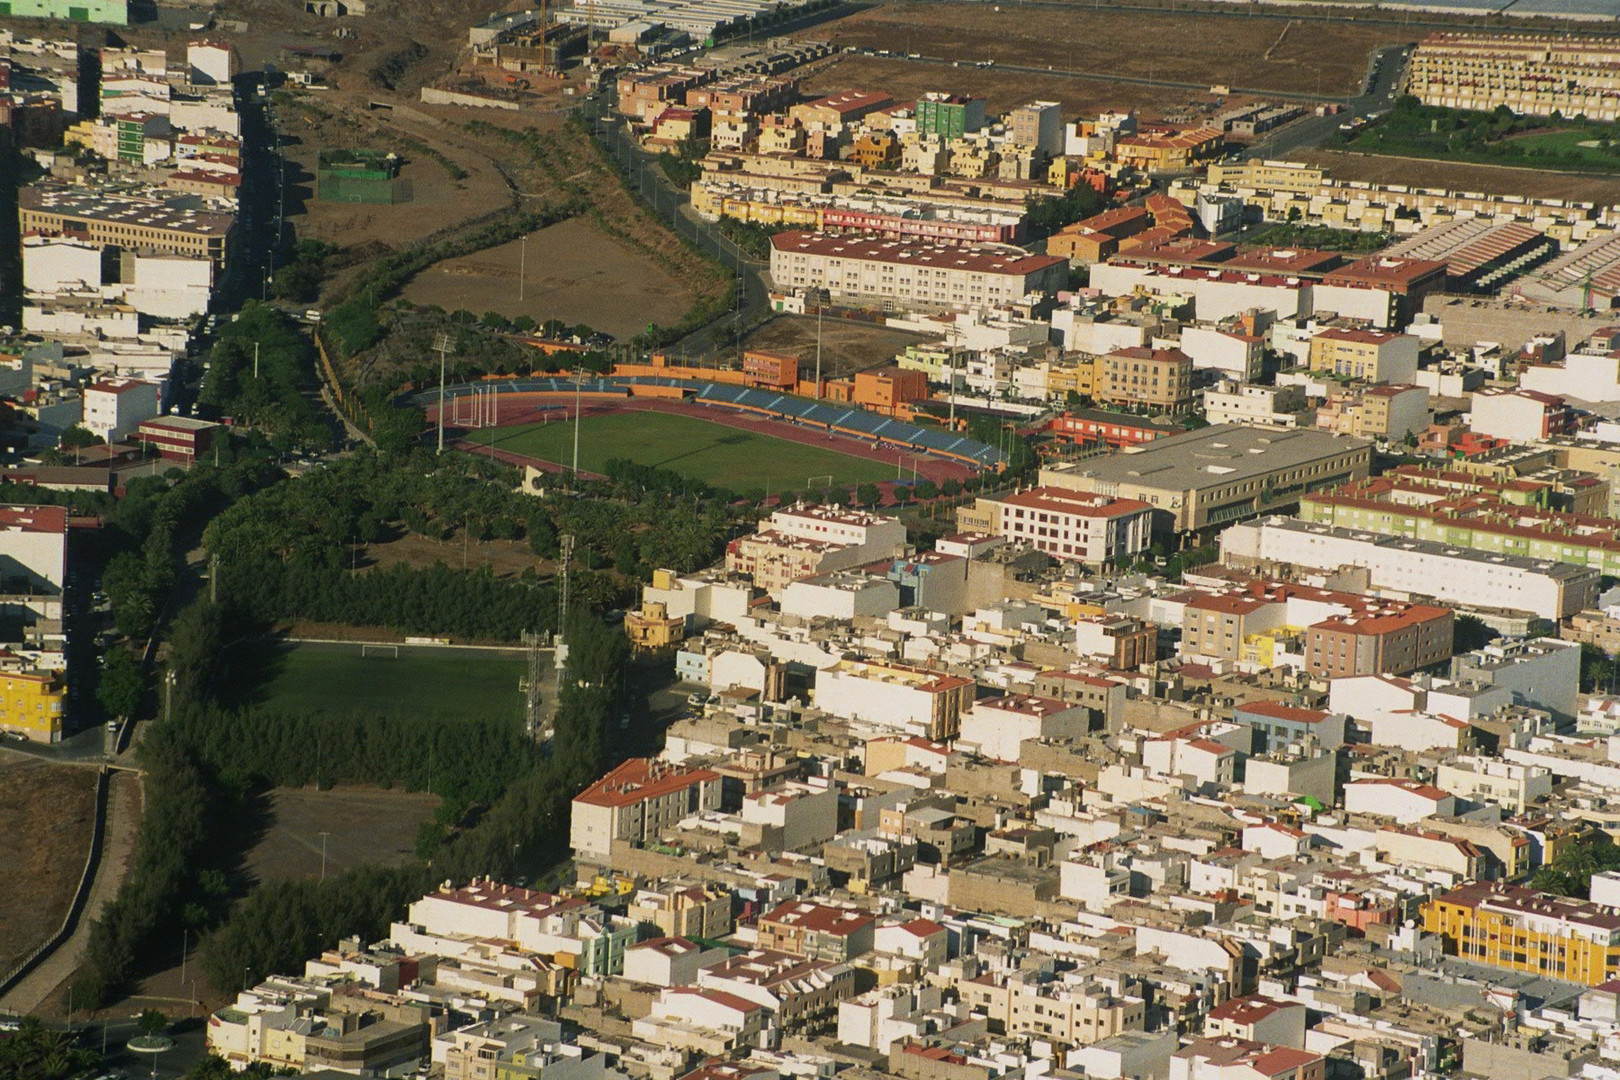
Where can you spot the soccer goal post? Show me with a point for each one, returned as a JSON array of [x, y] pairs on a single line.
[[819, 483], [391, 652]]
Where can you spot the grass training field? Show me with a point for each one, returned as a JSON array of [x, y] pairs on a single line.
[[712, 453], [340, 681]]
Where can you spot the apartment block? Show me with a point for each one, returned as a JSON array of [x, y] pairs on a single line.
[[636, 802], [1157, 379], [1369, 355], [912, 275], [1078, 526], [1520, 929]]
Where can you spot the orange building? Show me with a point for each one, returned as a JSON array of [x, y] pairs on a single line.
[[890, 390], [778, 371]]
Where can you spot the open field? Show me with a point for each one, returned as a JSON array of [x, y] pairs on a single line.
[[1491, 179], [365, 825], [712, 453], [1265, 54], [846, 347], [340, 681], [311, 123], [46, 814], [905, 80], [571, 271]]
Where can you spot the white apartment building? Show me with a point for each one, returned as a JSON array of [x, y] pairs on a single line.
[[1507, 784], [1402, 568], [1521, 416], [33, 546], [837, 525], [1276, 407], [636, 802], [910, 274], [894, 698], [1074, 525], [999, 726], [1584, 376], [114, 408], [1232, 353]]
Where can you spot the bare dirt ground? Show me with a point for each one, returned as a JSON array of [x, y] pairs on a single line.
[[846, 347], [571, 271], [505, 558], [1489, 179], [1305, 58], [46, 813], [44, 991], [906, 79], [365, 826], [439, 198]]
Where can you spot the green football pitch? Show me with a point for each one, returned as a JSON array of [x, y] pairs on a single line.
[[341, 680], [711, 453]]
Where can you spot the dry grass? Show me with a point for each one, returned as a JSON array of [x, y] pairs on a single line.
[[1311, 57], [46, 814]]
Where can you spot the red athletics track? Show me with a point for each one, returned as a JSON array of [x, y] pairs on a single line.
[[519, 409]]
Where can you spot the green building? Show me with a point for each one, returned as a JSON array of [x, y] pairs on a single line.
[[1476, 523], [115, 12], [360, 176], [950, 116]]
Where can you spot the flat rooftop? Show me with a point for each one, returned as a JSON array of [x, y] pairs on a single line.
[[118, 209], [1434, 548], [1208, 457]]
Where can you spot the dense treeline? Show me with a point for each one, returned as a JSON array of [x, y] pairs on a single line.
[[166, 873], [438, 600], [262, 373], [286, 552], [280, 925], [471, 761], [155, 518]]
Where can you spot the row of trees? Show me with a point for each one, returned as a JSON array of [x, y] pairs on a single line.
[[262, 373]]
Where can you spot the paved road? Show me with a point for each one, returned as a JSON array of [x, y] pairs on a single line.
[[1384, 77]]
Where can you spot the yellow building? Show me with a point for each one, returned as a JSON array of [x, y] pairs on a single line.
[[653, 627], [1521, 929], [33, 703]]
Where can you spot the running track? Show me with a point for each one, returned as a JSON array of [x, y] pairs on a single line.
[[520, 409]]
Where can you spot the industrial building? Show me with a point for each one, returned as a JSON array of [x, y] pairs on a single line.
[[1587, 276], [1480, 255], [1201, 480]]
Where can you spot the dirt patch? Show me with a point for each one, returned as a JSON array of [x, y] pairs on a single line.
[[1489, 179], [46, 816], [570, 271], [905, 80], [449, 178], [846, 347], [364, 826], [1308, 57], [504, 558]]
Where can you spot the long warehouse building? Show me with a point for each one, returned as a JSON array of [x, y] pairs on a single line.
[[1402, 567]]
